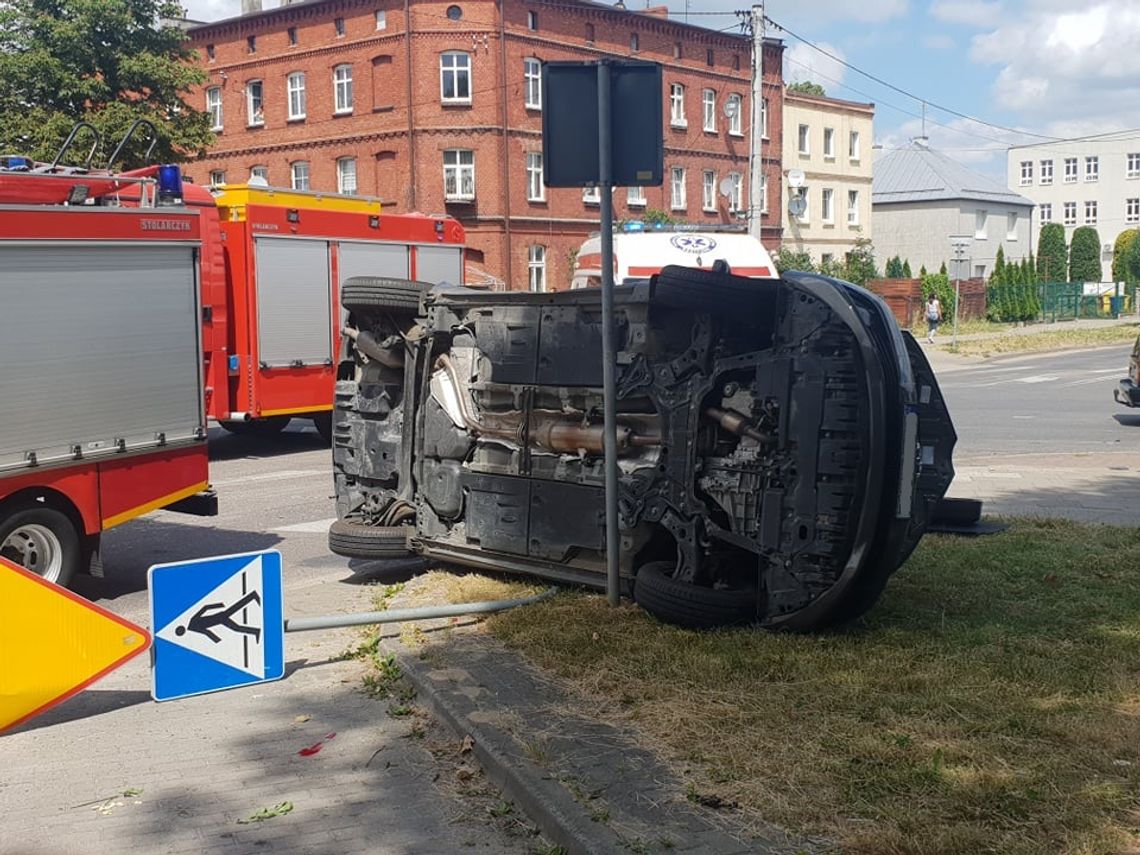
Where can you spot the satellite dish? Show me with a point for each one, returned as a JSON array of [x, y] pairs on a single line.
[[796, 206], [727, 185], [796, 178]]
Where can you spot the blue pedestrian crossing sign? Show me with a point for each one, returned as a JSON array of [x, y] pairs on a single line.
[[218, 623]]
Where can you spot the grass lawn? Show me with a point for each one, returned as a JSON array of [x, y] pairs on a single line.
[[1062, 339], [989, 704], [970, 327]]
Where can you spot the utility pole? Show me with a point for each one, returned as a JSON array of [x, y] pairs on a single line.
[[755, 154]]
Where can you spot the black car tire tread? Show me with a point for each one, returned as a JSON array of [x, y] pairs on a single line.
[[361, 293], [353, 540], [688, 605]]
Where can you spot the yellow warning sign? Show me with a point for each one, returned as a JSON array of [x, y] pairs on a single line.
[[53, 644]]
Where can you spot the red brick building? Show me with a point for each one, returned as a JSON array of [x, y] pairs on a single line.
[[434, 106]]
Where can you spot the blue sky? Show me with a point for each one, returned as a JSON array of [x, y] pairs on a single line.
[[1048, 67]]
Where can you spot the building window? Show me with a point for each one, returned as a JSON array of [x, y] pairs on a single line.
[[634, 43], [454, 13], [677, 184], [764, 118], [1070, 214], [853, 146], [458, 175], [381, 19], [1070, 170], [1092, 168], [214, 107], [763, 194], [804, 140], [299, 175], [346, 175], [455, 77], [342, 87], [254, 109], [338, 25], [1132, 210], [676, 50], [829, 143], [826, 258], [259, 174], [1046, 172], [591, 195], [635, 197], [532, 78], [980, 217], [1011, 226], [210, 52], [535, 190], [979, 271], [1090, 213], [1026, 173], [710, 58], [296, 86], [536, 267], [1046, 212], [251, 44], [708, 104], [1133, 166], [827, 205], [735, 121], [736, 197], [677, 106], [532, 21], [589, 34], [292, 33], [708, 190], [852, 207], [217, 178]]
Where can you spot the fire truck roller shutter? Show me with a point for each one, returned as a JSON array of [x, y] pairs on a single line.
[[104, 340], [437, 264], [294, 302], [390, 260]]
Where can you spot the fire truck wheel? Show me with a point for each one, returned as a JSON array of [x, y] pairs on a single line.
[[361, 293], [353, 540], [43, 541], [258, 427]]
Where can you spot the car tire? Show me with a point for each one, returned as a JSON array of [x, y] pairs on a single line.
[[696, 290], [691, 606], [956, 512], [43, 541], [257, 428], [361, 293], [353, 540]]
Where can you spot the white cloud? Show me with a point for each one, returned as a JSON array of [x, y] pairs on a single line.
[[211, 10], [973, 13], [939, 42], [803, 62]]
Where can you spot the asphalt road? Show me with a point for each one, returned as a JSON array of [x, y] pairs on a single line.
[[1041, 404]]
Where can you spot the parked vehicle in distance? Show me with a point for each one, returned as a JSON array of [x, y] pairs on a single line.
[[1127, 391], [782, 444]]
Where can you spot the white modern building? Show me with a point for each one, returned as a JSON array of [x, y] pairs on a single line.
[[921, 199], [1089, 182], [829, 141]]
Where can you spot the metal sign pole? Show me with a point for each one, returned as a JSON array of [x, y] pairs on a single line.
[[609, 353]]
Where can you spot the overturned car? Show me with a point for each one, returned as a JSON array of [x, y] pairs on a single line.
[[782, 444]]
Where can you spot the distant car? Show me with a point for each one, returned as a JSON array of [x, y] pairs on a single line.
[[782, 444], [1127, 391]]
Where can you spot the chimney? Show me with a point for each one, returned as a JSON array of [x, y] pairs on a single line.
[[657, 11], [249, 7]]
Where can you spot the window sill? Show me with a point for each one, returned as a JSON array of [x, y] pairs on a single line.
[[803, 153], [682, 208], [340, 113], [456, 102], [854, 160], [293, 119], [635, 204], [591, 201], [736, 134], [458, 200], [680, 126], [384, 108], [252, 125], [712, 131], [708, 210], [852, 225], [218, 129], [535, 107], [828, 224], [535, 201], [830, 158]]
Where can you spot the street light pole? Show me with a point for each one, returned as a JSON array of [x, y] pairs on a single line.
[[755, 152], [960, 243]]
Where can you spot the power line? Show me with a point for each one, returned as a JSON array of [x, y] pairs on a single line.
[[901, 91]]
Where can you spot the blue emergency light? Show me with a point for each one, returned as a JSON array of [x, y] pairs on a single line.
[[634, 226], [15, 163], [170, 184]]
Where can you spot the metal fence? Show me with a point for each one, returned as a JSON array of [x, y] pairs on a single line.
[[1066, 301]]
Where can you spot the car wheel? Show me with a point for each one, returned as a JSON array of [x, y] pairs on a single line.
[[353, 540], [260, 428], [688, 605], [361, 293], [43, 541]]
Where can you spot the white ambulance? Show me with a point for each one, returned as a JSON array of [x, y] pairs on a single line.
[[638, 254]]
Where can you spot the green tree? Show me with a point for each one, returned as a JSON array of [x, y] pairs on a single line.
[[806, 87], [655, 217], [832, 267], [906, 270], [107, 62], [893, 269], [860, 264], [1132, 259], [922, 271], [1120, 270], [1084, 256], [1052, 254], [789, 259], [942, 269], [998, 276]]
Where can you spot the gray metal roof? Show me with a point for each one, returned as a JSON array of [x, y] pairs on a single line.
[[918, 174]]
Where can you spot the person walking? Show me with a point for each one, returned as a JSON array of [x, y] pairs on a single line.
[[933, 317]]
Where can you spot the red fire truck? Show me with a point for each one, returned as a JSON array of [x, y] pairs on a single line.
[[124, 297]]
